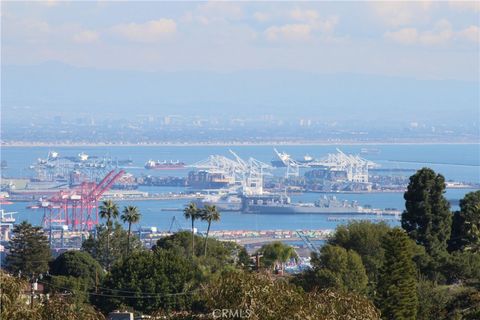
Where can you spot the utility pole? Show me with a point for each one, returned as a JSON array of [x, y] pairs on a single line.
[[257, 261], [33, 287]]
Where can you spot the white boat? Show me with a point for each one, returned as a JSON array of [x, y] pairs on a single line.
[[83, 156]]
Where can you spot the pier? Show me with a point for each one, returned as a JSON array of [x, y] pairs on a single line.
[[250, 237]]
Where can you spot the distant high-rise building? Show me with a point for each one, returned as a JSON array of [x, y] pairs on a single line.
[[305, 122], [167, 120]]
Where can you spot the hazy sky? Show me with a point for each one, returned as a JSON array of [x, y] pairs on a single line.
[[374, 61], [423, 40]]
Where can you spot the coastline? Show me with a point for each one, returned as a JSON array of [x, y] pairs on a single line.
[[235, 143]]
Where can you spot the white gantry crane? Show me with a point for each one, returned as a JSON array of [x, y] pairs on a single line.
[[355, 167], [253, 172], [216, 164], [293, 166], [246, 174]]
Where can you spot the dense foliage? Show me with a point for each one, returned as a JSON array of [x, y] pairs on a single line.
[[427, 217], [78, 264], [14, 304], [397, 286], [466, 224], [263, 297], [209, 214], [130, 215], [365, 238], [275, 254], [148, 281], [364, 267], [98, 246], [334, 268], [29, 252], [219, 255], [75, 271]]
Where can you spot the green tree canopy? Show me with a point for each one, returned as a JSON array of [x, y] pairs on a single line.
[[433, 301], [365, 238], [275, 253], [209, 214], [12, 304], [149, 280], [78, 264], [193, 213], [130, 215], [14, 307], [266, 298], [77, 288], [397, 288], [462, 266], [60, 307], [99, 247], [109, 211], [29, 251], [221, 254], [339, 268], [466, 224], [427, 218]]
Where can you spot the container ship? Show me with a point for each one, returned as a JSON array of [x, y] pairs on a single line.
[[164, 165], [284, 158]]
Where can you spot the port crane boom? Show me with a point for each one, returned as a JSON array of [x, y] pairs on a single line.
[[77, 208]]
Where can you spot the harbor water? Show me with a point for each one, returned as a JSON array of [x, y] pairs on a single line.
[[457, 162]]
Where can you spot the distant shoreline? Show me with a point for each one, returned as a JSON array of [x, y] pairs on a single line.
[[235, 143]]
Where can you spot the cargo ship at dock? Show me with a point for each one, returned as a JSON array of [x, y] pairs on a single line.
[[283, 158], [164, 165], [281, 204], [276, 203]]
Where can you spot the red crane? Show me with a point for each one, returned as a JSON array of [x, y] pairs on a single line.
[[78, 207]]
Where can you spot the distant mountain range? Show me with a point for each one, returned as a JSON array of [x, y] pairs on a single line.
[[54, 88]]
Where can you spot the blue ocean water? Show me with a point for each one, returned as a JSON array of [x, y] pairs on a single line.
[[459, 162]]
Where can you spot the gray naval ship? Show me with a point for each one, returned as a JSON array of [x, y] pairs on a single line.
[[275, 203], [281, 204]]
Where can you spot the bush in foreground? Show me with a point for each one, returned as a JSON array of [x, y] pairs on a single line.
[[265, 297]]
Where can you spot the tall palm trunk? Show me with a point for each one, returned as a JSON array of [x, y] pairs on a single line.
[[128, 237], [108, 243], [193, 237], [206, 238]]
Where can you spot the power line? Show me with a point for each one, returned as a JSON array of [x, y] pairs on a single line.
[[125, 296]]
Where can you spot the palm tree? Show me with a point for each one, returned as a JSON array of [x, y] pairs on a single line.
[[209, 214], [286, 254], [277, 253], [193, 213], [109, 211], [130, 215]]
